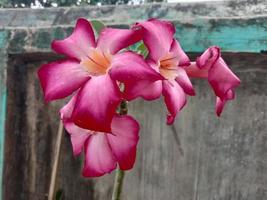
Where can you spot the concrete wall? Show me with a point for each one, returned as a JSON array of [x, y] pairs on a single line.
[[200, 157]]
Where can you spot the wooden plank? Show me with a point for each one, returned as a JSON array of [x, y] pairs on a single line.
[[3, 95], [31, 128], [200, 157]]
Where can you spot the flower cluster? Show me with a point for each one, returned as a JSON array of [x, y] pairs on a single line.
[[95, 70]]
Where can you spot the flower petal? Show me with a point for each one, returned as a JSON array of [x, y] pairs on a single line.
[[158, 37], [220, 103], [78, 44], [184, 81], [78, 136], [60, 79], [219, 106], [177, 51], [66, 111], [130, 66], [96, 104], [123, 140], [201, 67], [175, 99], [194, 71], [112, 40], [209, 57], [146, 89], [99, 158], [139, 78], [222, 79]]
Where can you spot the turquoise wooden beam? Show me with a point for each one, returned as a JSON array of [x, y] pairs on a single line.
[[232, 35], [3, 96]]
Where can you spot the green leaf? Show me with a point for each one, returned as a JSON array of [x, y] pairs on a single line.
[[98, 26], [142, 49], [59, 195]]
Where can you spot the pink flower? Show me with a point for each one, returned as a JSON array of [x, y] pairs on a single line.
[[87, 69], [167, 58], [103, 150], [210, 65]]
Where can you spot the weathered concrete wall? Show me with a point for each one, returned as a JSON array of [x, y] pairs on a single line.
[[199, 157], [198, 24], [184, 12]]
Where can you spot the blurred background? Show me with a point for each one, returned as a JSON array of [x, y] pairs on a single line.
[[59, 3], [200, 157]]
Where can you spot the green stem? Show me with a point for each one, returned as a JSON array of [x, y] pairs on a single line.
[[123, 108], [116, 195], [117, 188]]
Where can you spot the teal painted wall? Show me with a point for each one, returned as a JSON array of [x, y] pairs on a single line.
[[3, 95], [234, 35], [2, 134]]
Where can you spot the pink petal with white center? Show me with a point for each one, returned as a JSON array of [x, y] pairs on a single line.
[[157, 36], [96, 104], [61, 78], [123, 140], [208, 58], [99, 158], [174, 98], [222, 79], [78, 44], [112, 40], [129, 66], [184, 81], [178, 52]]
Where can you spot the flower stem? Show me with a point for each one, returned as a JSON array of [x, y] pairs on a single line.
[[51, 192], [118, 182], [123, 108], [116, 195]]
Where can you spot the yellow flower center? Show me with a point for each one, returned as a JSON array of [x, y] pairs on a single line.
[[97, 62], [168, 67]]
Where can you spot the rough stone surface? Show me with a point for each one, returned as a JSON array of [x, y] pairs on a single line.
[[184, 12], [233, 25]]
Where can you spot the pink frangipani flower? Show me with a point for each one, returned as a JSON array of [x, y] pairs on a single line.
[[210, 65], [167, 58], [87, 69], [103, 150]]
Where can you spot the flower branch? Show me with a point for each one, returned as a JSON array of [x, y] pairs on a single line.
[[158, 66]]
